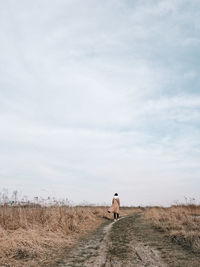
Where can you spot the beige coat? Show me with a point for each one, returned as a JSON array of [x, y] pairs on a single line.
[[116, 205]]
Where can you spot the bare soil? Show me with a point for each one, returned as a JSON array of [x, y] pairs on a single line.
[[131, 241]]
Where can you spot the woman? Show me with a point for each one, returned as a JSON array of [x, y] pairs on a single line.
[[116, 205]]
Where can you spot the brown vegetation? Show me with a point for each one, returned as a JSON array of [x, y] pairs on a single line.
[[33, 234], [180, 222]]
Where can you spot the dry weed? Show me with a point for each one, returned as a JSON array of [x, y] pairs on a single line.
[[181, 223], [31, 233]]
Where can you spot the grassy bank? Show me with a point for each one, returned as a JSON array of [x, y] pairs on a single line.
[[181, 223]]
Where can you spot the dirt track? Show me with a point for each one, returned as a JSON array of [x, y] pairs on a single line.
[[131, 241]]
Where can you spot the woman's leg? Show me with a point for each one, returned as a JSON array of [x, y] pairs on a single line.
[[115, 216]]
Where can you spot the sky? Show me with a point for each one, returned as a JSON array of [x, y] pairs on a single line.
[[99, 97]]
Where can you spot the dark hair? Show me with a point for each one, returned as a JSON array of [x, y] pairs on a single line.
[[115, 194]]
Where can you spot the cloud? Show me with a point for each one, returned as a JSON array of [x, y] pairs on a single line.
[[98, 97]]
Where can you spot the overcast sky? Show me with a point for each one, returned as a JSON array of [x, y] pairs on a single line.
[[98, 97]]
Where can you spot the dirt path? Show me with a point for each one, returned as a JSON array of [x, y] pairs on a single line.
[[131, 241]]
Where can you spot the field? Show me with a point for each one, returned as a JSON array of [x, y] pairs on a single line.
[[38, 235], [34, 234]]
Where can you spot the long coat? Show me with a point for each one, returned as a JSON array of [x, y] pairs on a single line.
[[116, 205]]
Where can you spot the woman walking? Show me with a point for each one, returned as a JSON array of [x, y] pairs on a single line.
[[116, 205]]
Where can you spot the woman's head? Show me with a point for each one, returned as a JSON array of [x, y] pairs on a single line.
[[115, 194]]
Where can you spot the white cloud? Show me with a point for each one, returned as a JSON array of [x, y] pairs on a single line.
[[97, 97]]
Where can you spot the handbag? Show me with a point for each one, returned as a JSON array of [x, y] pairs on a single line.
[[111, 209]]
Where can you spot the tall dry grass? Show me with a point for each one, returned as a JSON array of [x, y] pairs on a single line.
[[33, 234], [180, 222]]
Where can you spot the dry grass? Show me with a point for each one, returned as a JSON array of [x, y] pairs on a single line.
[[181, 223], [32, 235]]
